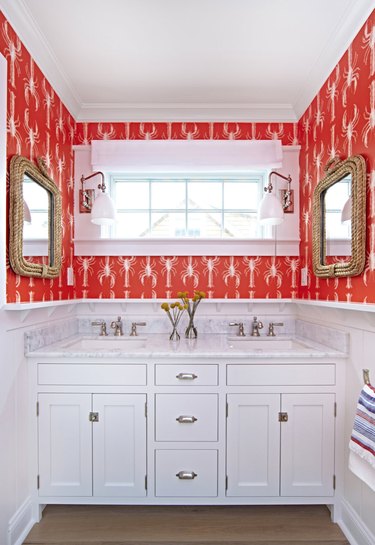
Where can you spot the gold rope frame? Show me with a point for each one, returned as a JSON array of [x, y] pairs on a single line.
[[356, 167], [19, 166]]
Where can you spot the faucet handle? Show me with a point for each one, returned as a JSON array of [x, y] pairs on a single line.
[[103, 327], [241, 332], [271, 325], [133, 332]]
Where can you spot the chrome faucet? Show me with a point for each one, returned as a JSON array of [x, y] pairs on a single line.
[[117, 326], [256, 325], [103, 327], [271, 325], [241, 331], [133, 332]]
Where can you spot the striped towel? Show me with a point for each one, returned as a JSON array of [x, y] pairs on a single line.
[[362, 441]]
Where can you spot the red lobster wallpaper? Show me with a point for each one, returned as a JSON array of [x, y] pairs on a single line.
[[340, 121], [38, 125]]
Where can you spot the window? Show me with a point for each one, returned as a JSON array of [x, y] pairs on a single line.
[[204, 207]]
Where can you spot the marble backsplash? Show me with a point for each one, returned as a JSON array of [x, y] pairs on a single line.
[[206, 325], [333, 338]]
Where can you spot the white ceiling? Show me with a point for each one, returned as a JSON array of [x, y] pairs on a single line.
[[254, 60]]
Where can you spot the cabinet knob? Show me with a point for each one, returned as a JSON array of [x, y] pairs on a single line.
[[186, 419], [94, 417], [186, 475], [186, 376], [283, 417]]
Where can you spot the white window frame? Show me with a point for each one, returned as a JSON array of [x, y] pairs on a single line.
[[263, 232]]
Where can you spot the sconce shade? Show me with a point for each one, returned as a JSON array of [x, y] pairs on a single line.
[[26, 212], [270, 211], [346, 214], [103, 210]]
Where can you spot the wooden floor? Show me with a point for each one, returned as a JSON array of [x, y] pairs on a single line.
[[229, 525]]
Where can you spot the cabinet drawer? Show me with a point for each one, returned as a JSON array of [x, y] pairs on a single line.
[[186, 473], [186, 375], [100, 375], [280, 375], [186, 417]]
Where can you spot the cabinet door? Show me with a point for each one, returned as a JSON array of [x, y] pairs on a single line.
[[307, 445], [65, 464], [119, 445], [253, 444]]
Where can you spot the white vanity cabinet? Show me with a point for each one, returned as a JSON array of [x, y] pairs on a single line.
[[90, 443], [280, 444], [186, 429]]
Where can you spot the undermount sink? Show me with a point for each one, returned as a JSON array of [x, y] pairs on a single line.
[[270, 343], [107, 343]]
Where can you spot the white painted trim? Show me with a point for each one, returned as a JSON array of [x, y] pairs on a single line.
[[36, 247], [3, 176], [21, 523], [185, 247], [343, 33], [37, 45], [353, 527], [260, 113], [339, 247], [360, 307]]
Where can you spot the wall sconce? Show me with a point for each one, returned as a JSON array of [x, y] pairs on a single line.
[[346, 214], [26, 213], [271, 209], [102, 208]]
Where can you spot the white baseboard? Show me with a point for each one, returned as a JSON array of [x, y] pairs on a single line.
[[21, 523], [355, 531]]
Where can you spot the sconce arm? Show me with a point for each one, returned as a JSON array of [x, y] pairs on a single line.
[[101, 186]]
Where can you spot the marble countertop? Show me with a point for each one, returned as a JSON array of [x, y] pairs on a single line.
[[159, 346]]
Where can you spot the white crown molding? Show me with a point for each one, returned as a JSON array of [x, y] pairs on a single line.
[[343, 33], [260, 113], [35, 42]]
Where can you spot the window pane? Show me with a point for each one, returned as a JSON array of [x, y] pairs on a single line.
[[239, 195], [38, 227], [169, 225], [132, 195], [205, 195], [334, 227], [132, 225], [168, 195], [240, 225], [204, 224]]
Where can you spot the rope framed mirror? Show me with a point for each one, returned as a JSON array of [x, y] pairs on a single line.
[[46, 213]]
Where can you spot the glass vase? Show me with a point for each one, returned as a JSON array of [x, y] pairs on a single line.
[[191, 331], [174, 336]]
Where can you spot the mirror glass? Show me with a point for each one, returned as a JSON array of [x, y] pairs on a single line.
[[35, 220], [339, 219], [36, 226]]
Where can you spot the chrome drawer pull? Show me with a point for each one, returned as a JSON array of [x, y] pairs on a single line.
[[186, 419], [186, 376], [186, 475]]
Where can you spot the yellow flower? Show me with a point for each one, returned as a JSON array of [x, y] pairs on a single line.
[[165, 306]]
